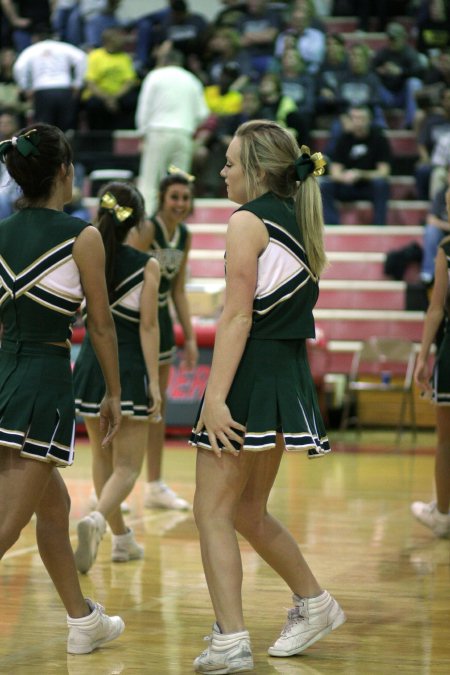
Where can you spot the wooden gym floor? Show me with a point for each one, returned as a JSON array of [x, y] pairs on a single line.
[[350, 513]]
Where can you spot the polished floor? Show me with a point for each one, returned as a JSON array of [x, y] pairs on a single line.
[[349, 511]]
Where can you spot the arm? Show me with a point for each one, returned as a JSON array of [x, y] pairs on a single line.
[[11, 14], [149, 332], [233, 326], [183, 312], [382, 170], [89, 255]]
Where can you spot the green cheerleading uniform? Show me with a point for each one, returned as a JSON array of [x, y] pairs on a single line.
[[88, 380], [40, 292], [273, 390], [441, 370], [169, 253]]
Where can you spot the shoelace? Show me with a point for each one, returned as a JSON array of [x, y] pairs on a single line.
[[295, 615]]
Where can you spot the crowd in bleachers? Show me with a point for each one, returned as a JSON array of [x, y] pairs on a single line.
[[76, 64]]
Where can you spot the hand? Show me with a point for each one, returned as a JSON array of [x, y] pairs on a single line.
[[220, 426], [155, 408], [110, 418], [422, 377], [190, 355]]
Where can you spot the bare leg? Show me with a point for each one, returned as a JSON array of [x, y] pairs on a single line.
[[157, 432], [270, 539], [220, 484], [28, 486], [52, 533], [442, 461], [116, 470]]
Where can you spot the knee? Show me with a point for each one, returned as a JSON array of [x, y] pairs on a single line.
[[249, 521], [9, 534]]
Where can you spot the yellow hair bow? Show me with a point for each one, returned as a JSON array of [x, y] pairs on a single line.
[[308, 164], [175, 170], [119, 213]]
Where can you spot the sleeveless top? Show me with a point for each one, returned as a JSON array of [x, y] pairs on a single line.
[[169, 253], [286, 289], [126, 297], [40, 287]]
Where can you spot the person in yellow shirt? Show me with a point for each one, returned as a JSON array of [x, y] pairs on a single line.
[[112, 85]]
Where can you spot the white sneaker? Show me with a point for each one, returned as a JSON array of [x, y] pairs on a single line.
[[92, 631], [310, 620], [90, 532], [227, 653], [159, 496], [125, 547], [429, 516], [93, 501]]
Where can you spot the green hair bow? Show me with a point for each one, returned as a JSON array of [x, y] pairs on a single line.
[[308, 164], [26, 144]]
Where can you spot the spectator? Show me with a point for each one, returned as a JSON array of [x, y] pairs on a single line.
[[437, 226], [88, 19], [51, 74], [334, 63], [112, 84], [439, 162], [298, 85], [11, 97], [279, 108], [378, 9], [170, 108], [26, 18], [232, 13], [309, 41], [399, 68], [433, 26], [222, 47], [434, 125], [9, 190], [62, 9], [186, 31], [360, 166], [259, 27]]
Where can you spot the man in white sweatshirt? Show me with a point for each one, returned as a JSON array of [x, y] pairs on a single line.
[[171, 105], [51, 73]]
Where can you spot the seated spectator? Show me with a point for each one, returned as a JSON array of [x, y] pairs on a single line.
[[51, 75], [434, 125], [230, 16], [439, 161], [433, 26], [88, 19], [186, 30], [334, 63], [359, 168], [26, 19], [222, 47], [309, 41], [365, 9], [112, 85], [436, 228], [9, 190], [11, 96], [298, 85], [400, 69], [259, 27], [436, 78], [279, 108]]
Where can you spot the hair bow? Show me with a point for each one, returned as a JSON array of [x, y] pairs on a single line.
[[26, 144], [175, 170], [119, 213], [308, 164]]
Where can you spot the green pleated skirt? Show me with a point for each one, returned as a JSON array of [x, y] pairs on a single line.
[[273, 392], [89, 385], [441, 373], [167, 346], [37, 414]]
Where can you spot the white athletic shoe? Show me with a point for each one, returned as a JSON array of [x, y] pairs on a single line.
[[90, 532], [310, 620], [429, 516], [92, 631], [159, 496], [125, 547], [226, 653]]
